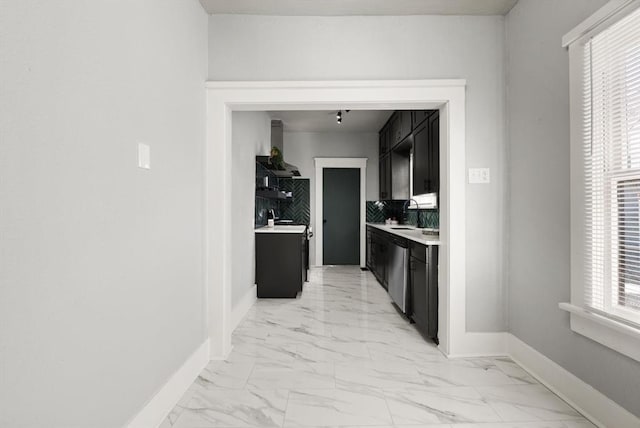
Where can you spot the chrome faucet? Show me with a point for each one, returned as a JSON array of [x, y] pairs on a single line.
[[406, 206]]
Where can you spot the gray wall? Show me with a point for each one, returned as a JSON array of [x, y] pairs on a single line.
[[300, 148], [538, 133], [410, 47], [101, 274], [251, 136]]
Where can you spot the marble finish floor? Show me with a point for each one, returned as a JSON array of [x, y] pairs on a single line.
[[341, 356]]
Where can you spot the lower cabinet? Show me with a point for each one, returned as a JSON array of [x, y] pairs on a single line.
[[423, 279], [369, 249], [280, 264], [378, 248]]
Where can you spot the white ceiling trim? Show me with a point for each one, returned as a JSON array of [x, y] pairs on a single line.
[[358, 7]]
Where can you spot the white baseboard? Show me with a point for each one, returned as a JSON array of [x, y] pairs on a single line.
[[594, 405], [480, 345], [239, 311], [157, 409]]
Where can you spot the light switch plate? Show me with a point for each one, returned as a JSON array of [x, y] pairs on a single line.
[[144, 156], [479, 176]]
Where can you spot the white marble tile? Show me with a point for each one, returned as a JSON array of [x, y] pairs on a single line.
[[381, 336], [265, 352], [462, 373], [166, 424], [439, 405], [381, 375], [415, 353], [342, 356], [292, 375], [527, 403], [173, 415], [539, 424], [513, 370], [582, 423], [503, 364], [225, 374], [335, 407], [431, 426], [234, 408], [325, 350]]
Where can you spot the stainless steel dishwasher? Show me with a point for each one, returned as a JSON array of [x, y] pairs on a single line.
[[398, 264]]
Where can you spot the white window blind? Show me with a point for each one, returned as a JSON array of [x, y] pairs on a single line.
[[611, 126]]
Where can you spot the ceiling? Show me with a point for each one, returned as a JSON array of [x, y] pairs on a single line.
[[325, 121], [358, 7]]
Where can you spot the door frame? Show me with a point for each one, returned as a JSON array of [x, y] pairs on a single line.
[[447, 95], [353, 163]]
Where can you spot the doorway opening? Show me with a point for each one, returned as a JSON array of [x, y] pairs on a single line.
[[447, 96]]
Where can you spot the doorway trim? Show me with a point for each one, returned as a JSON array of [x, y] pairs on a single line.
[[446, 95], [355, 163]]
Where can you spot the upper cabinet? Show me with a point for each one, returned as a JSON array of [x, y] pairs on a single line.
[[410, 133], [384, 140], [400, 126], [385, 176], [419, 116], [426, 156]]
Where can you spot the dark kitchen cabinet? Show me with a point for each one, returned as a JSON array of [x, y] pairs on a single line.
[[423, 277], [419, 297], [377, 248], [418, 132], [434, 153], [419, 116], [280, 264], [393, 127], [304, 253], [405, 124], [380, 245], [385, 177], [426, 156], [420, 159], [369, 249], [384, 140], [399, 127]]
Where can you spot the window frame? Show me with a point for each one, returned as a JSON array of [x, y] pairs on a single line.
[[601, 327], [613, 306]]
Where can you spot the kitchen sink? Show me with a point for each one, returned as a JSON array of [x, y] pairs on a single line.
[[402, 228]]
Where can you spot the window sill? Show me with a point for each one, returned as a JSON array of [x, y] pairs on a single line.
[[615, 335]]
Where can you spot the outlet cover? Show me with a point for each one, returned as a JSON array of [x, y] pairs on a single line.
[[479, 176], [144, 156]]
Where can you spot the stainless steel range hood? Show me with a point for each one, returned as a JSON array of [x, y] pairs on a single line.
[[277, 141]]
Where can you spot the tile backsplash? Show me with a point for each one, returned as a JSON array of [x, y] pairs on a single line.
[[378, 211], [263, 205], [297, 209]]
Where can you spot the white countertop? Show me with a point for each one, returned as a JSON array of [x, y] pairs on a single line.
[[413, 234], [279, 228]]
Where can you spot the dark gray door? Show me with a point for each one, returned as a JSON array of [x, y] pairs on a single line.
[[341, 216]]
